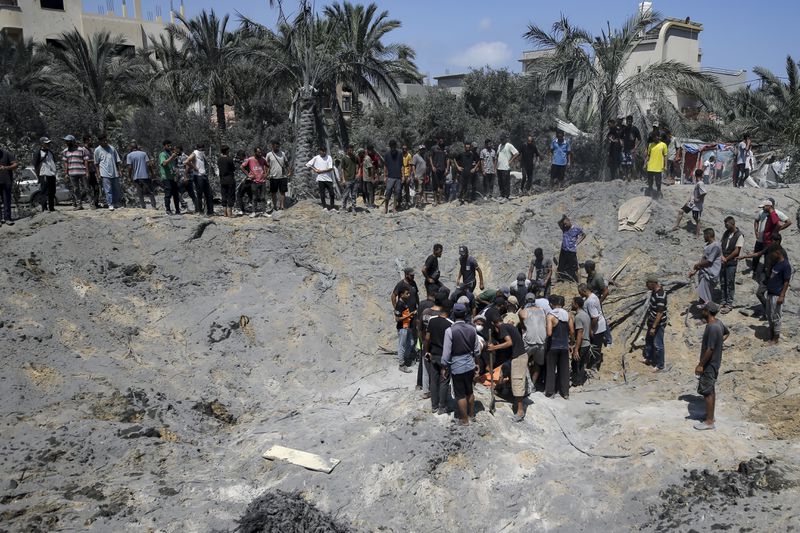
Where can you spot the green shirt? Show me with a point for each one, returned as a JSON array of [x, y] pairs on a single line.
[[167, 172], [349, 167]]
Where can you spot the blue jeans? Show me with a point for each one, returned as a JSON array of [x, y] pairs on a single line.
[[111, 188], [727, 281], [654, 346], [405, 340]]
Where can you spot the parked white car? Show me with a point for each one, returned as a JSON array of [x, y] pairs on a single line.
[[28, 189]]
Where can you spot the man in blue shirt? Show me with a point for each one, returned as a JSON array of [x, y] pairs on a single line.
[[461, 347], [571, 237], [560, 158]]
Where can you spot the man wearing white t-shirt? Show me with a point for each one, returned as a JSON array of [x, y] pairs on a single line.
[[322, 166], [506, 155], [592, 305]]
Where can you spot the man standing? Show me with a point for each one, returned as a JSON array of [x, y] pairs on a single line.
[[656, 163], [581, 351], [403, 318], [560, 159], [675, 156], [731, 243], [434, 348], [571, 237], [393, 177], [506, 155], [420, 170], [759, 226], [91, 175], [740, 174], [256, 168], [695, 203], [560, 329], [349, 183], [139, 171], [167, 163], [488, 168], [322, 166], [543, 268], [529, 157], [777, 285], [708, 267], [468, 267], [76, 160], [461, 348], [44, 165], [595, 280], [431, 269], [440, 166], [197, 164], [8, 164], [707, 369], [107, 161], [614, 138], [407, 283], [408, 178], [280, 171], [467, 166], [534, 326], [597, 333], [508, 339], [630, 142], [656, 324]]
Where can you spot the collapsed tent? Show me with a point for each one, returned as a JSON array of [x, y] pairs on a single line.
[[634, 214]]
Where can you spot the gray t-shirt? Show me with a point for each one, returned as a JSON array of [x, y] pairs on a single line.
[[419, 166], [582, 321], [713, 254], [277, 164], [698, 196], [535, 326], [138, 160], [713, 338], [541, 269], [106, 160], [595, 310]]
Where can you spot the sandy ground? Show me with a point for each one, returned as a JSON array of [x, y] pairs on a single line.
[[145, 371]]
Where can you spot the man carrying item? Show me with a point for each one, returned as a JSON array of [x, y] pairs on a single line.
[[507, 338], [534, 327], [461, 348], [506, 155], [695, 203], [107, 161], [707, 369], [139, 172], [656, 324], [468, 267], [8, 164], [560, 159], [777, 285], [708, 267], [543, 269], [488, 157], [280, 170], [76, 161], [167, 163], [732, 243], [571, 237], [44, 165]]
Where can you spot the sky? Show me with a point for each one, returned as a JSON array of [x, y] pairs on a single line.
[[453, 36]]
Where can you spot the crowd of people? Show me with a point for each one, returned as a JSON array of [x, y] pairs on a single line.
[[523, 337]]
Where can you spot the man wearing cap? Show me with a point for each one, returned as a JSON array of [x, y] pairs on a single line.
[[76, 160], [595, 280], [709, 267], [534, 334], [656, 323], [107, 161], [571, 237], [461, 348], [420, 170], [468, 267], [707, 369], [8, 164], [759, 225], [44, 165]]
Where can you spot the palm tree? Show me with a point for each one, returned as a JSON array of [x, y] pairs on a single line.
[[105, 78], [24, 68], [597, 66], [783, 101], [172, 70], [211, 51]]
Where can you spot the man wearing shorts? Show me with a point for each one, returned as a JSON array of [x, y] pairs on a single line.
[[560, 158], [461, 347], [695, 203], [534, 323], [440, 166], [279, 173], [508, 339], [707, 369]]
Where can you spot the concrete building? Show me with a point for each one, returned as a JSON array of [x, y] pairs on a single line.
[[452, 82], [45, 20]]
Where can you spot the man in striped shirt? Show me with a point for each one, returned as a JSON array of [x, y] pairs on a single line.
[[656, 322], [76, 162]]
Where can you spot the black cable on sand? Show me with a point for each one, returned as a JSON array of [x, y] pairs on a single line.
[[287, 512]]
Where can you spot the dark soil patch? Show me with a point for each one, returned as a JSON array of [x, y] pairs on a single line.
[[287, 512], [215, 409]]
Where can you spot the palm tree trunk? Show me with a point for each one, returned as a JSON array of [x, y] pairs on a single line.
[[304, 144], [221, 124]]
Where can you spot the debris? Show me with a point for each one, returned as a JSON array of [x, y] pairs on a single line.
[[634, 214], [307, 460], [199, 230], [287, 512], [215, 409], [354, 395]]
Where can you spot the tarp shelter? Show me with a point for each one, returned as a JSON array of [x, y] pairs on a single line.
[[696, 153]]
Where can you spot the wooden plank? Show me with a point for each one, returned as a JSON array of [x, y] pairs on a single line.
[[306, 460]]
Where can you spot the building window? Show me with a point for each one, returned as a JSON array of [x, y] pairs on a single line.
[[347, 103], [57, 43], [53, 4]]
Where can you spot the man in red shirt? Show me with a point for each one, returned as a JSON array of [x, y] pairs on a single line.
[[256, 168], [773, 224]]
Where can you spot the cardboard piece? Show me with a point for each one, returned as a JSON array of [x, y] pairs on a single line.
[[304, 459]]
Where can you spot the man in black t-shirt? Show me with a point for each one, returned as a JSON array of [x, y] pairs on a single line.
[[468, 267], [529, 155], [467, 165], [434, 344], [630, 142], [8, 164], [407, 281], [431, 269], [509, 345]]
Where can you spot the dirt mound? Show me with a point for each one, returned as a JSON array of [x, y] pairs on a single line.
[[287, 512]]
